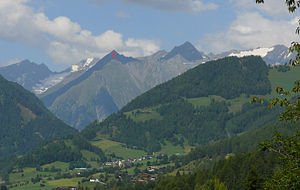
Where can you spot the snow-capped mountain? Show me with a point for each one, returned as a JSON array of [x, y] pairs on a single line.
[[257, 52], [38, 78], [26, 73], [84, 65], [276, 55]]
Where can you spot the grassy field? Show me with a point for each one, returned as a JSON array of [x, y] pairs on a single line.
[[141, 115], [58, 165], [22, 176], [32, 186], [27, 174], [119, 149], [282, 79], [201, 101], [236, 103], [170, 149], [89, 155], [65, 182]]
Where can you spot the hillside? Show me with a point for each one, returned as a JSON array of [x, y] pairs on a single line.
[[73, 149], [228, 77], [171, 111], [24, 121]]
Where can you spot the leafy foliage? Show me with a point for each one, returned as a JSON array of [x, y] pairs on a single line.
[[287, 175], [292, 112], [239, 144], [238, 172], [287, 148]]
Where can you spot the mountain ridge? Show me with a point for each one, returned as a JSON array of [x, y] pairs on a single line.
[[24, 121], [128, 77]]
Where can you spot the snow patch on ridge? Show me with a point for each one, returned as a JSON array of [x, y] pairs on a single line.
[[74, 68], [88, 62], [257, 52], [54, 79], [84, 65]]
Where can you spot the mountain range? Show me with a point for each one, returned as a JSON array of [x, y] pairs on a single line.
[[207, 106], [196, 106], [111, 83], [94, 88]]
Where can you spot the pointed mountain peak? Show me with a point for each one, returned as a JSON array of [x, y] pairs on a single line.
[[118, 57], [187, 51], [24, 62], [187, 44]]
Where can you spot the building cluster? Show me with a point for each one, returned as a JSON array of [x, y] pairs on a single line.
[[128, 162]]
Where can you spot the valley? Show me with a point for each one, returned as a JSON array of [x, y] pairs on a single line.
[[107, 159], [149, 95]]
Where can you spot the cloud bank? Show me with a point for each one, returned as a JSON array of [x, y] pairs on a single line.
[[188, 6], [256, 25], [64, 41]]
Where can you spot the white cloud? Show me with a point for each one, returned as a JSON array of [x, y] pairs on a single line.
[[122, 14], [251, 30], [189, 6], [65, 41], [10, 62], [256, 25], [273, 8]]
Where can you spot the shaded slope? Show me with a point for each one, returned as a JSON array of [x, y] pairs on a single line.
[[80, 110], [24, 121], [50, 98], [26, 73], [67, 149]]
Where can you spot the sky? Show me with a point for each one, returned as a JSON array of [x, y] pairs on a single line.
[[60, 33]]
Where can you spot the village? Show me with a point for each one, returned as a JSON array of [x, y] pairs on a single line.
[[152, 166]]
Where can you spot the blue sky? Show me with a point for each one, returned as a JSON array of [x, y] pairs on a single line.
[[62, 32]]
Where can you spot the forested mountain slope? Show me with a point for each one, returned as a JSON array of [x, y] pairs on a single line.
[[170, 111], [24, 121]]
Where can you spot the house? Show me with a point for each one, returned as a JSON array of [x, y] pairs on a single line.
[[1, 181], [120, 163], [152, 168], [61, 188], [144, 176], [153, 177], [93, 180]]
